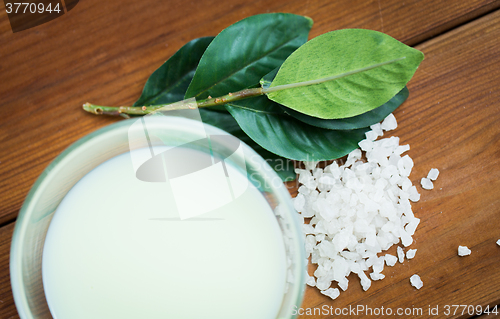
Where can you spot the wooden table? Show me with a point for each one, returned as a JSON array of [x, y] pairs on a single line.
[[103, 51]]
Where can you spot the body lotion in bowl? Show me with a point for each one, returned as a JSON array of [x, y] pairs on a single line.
[[161, 221]]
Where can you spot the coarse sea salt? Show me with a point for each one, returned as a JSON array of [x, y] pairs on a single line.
[[433, 174], [357, 210], [390, 260], [410, 254], [401, 254], [463, 251], [416, 281], [331, 292], [498, 242], [426, 183]]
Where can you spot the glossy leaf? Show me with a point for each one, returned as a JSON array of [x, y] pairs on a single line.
[[269, 126], [355, 122], [370, 68], [363, 120], [247, 50], [170, 81]]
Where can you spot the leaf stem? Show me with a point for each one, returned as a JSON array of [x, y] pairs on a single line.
[[231, 97], [143, 110]]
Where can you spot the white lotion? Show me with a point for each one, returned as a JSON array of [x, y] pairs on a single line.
[[116, 248]]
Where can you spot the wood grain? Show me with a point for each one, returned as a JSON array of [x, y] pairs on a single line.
[[451, 123], [103, 52]]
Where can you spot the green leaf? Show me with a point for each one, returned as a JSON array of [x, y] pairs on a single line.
[[363, 120], [355, 122], [170, 81], [269, 126], [247, 50], [359, 70]]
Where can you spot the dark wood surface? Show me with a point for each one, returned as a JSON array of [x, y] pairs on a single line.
[[103, 52]]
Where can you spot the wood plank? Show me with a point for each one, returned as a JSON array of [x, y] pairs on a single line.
[[451, 123], [103, 52], [7, 308]]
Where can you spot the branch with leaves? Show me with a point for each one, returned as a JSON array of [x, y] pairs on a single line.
[[288, 98]]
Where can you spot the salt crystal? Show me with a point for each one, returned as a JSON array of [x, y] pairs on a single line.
[[406, 184], [371, 135], [327, 249], [384, 242], [320, 237], [390, 260], [321, 272], [401, 254], [376, 276], [394, 159], [412, 226], [416, 281], [307, 180], [311, 239], [304, 190], [308, 229], [324, 209], [411, 253], [299, 202], [426, 183], [340, 241], [343, 283], [352, 157], [315, 257], [327, 180], [320, 228], [323, 284], [433, 174], [310, 281], [414, 196], [341, 267], [406, 239], [389, 123], [371, 260], [381, 183], [405, 165], [317, 172], [365, 281], [498, 242], [310, 244], [401, 149], [333, 166], [366, 145], [394, 179], [331, 292], [377, 128], [390, 143], [389, 171], [378, 265], [463, 251], [311, 164]]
